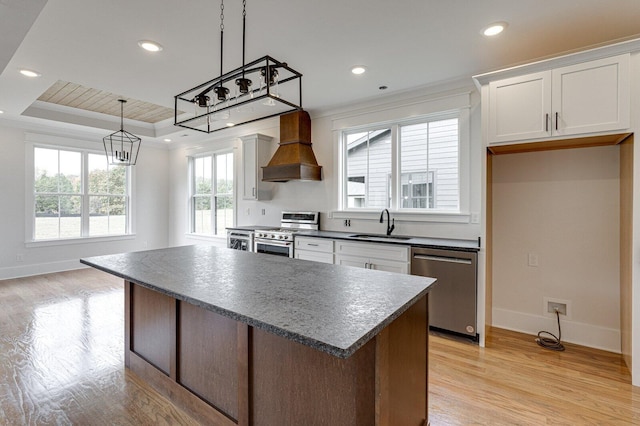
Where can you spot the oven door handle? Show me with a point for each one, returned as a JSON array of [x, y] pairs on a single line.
[[273, 242]]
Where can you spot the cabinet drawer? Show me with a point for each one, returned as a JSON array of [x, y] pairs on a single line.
[[322, 245], [370, 250], [314, 256]]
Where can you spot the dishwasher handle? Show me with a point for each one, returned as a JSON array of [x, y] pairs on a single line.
[[443, 259]]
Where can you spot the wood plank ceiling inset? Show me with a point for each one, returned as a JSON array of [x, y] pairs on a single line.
[[77, 96]]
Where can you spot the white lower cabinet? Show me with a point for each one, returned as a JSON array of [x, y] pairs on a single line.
[[381, 257], [314, 249]]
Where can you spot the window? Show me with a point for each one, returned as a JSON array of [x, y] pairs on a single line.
[[410, 165], [212, 194], [77, 194], [368, 164]]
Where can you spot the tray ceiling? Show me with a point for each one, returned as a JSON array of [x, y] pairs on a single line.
[[78, 96]]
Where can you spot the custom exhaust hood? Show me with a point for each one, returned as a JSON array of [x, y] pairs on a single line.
[[294, 158]]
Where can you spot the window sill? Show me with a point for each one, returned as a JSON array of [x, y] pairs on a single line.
[[83, 240], [205, 237], [404, 216]]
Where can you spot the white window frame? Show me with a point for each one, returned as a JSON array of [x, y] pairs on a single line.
[[84, 147], [418, 215], [192, 190]]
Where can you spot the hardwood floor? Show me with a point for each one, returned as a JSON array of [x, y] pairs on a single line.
[[513, 381], [61, 362]]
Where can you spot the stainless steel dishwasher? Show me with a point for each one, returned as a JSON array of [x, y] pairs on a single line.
[[453, 300]]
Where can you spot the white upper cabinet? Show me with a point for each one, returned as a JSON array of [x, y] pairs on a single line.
[[590, 97], [256, 151], [519, 107]]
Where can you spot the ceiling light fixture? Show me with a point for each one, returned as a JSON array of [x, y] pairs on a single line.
[[30, 73], [358, 69], [494, 29], [122, 147], [167, 140], [150, 46], [261, 89]]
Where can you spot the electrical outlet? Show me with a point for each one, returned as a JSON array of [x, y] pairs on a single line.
[[560, 307], [475, 217], [533, 259], [248, 212], [263, 212], [19, 257]]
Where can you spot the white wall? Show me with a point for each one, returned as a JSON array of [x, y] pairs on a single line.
[[150, 215], [563, 207], [322, 195]]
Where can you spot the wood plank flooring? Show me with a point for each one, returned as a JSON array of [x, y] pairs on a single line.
[[61, 362]]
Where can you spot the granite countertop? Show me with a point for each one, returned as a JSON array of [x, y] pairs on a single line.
[[328, 307], [438, 243]]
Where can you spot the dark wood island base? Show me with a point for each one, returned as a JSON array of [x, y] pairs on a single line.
[[226, 372]]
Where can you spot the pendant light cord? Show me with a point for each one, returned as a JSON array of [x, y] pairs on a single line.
[[244, 31], [221, 35], [122, 101]]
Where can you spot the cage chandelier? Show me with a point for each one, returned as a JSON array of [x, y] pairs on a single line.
[[121, 147], [257, 90]]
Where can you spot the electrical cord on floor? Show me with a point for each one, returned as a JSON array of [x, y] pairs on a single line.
[[550, 341]]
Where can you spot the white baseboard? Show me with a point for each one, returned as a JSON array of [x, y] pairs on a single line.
[[589, 335], [39, 268]]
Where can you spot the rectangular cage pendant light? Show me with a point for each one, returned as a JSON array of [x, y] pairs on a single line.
[[260, 89]]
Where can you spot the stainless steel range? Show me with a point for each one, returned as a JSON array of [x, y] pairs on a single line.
[[279, 241]]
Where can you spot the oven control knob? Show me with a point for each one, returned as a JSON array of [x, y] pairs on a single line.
[[280, 236], [273, 236], [286, 237]]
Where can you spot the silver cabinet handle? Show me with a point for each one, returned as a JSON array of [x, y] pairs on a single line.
[[312, 245], [254, 191], [366, 266]]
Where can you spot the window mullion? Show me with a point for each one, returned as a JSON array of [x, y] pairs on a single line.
[[395, 167], [214, 188], [84, 204]]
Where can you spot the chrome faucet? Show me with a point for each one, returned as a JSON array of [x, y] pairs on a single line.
[[390, 227]]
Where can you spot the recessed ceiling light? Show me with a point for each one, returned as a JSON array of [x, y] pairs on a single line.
[[231, 124], [30, 73], [358, 69], [150, 46], [167, 140], [1, 111], [494, 29]]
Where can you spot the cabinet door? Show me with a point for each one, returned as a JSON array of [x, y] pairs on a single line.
[[520, 107], [250, 169], [255, 152], [591, 97], [389, 266], [314, 256], [355, 261]]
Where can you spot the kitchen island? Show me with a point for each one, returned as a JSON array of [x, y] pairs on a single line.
[[250, 339]]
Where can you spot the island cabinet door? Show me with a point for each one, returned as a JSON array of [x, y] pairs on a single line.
[[208, 357], [152, 325]]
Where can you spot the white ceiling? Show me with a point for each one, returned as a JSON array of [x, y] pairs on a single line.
[[404, 44]]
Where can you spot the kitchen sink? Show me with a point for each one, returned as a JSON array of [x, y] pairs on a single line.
[[380, 236]]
